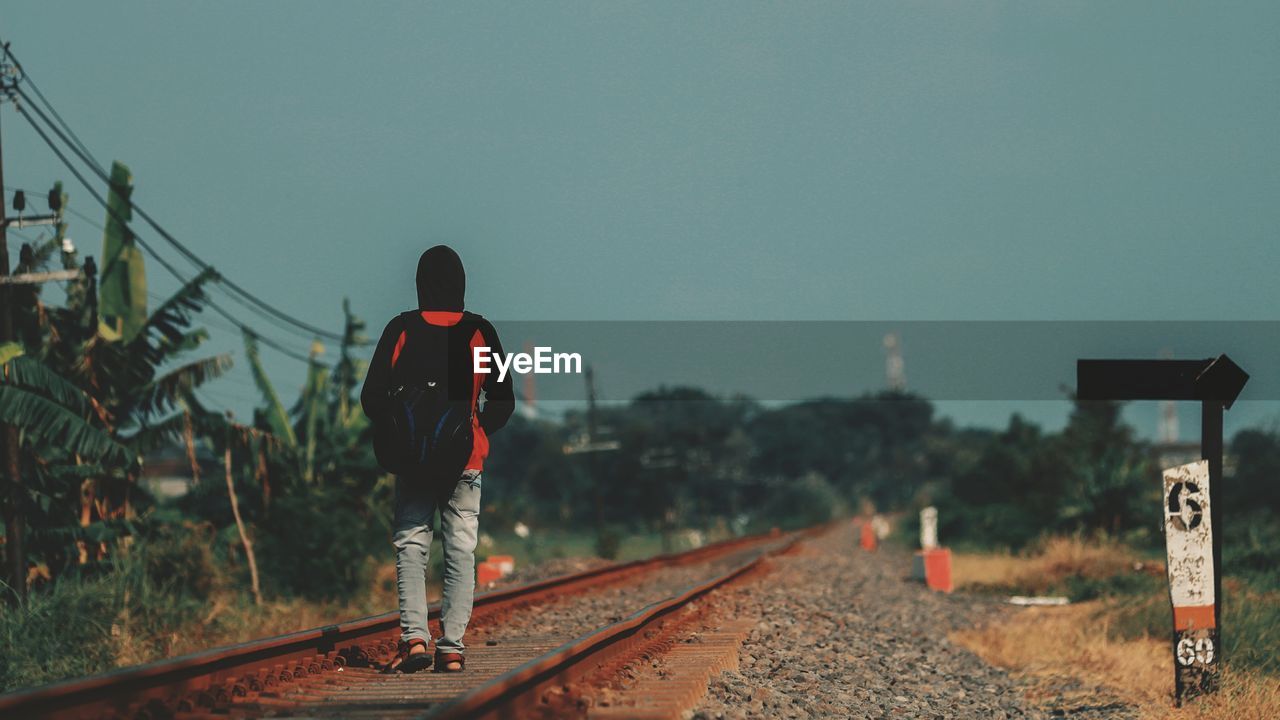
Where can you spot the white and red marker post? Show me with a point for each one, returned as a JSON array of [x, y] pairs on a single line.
[[1188, 535], [1195, 553], [932, 562]]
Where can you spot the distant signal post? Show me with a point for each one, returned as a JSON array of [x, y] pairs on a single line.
[[1191, 495]]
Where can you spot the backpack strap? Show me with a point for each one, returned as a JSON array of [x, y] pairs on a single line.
[[413, 324], [410, 325], [473, 321]]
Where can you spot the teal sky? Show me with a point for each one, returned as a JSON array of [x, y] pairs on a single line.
[[877, 161]]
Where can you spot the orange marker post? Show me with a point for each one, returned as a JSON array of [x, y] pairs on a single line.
[[506, 564], [487, 573], [937, 569], [932, 563], [868, 537]]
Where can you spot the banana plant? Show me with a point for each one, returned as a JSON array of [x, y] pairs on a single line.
[[344, 451], [62, 439], [89, 406], [324, 436], [310, 409], [53, 414], [276, 417]]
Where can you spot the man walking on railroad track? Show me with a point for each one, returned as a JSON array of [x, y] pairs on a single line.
[[422, 393]]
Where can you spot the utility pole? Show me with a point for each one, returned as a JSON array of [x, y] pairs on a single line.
[[895, 370], [591, 444], [15, 555], [528, 406], [15, 551], [1168, 428], [1168, 422], [594, 466]]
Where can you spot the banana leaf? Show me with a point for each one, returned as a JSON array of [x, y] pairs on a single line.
[[277, 417], [122, 287]]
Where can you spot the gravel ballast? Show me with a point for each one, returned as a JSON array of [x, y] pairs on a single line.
[[842, 633], [569, 616]]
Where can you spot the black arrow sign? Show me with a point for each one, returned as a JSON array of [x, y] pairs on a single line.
[[1217, 380], [1216, 383]]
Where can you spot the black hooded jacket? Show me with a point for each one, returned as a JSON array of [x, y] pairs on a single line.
[[442, 285]]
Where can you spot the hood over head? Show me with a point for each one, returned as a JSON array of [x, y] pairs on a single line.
[[442, 282]]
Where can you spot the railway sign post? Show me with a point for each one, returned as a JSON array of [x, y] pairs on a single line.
[[929, 528], [1189, 533], [1190, 499]]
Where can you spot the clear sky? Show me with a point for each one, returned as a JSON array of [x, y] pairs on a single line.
[[655, 161]]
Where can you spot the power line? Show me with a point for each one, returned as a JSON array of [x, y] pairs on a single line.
[[264, 339], [240, 327], [237, 325], [81, 150], [25, 237], [86, 219], [168, 237], [94, 224], [145, 246], [183, 249], [84, 182], [28, 79]]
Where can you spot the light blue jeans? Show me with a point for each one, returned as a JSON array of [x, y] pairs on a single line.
[[415, 509]]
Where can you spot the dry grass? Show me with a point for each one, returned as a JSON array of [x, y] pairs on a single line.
[[1043, 643], [232, 619], [1048, 565], [1071, 657], [1061, 647]]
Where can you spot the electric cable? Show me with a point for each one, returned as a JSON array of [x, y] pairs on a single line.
[[147, 247], [237, 325], [26, 78], [168, 237], [81, 150]]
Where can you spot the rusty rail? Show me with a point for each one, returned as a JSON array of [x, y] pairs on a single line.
[[518, 693], [210, 680]]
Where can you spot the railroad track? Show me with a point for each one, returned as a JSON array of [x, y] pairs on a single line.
[[331, 671]]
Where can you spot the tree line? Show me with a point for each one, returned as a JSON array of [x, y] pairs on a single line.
[[99, 383]]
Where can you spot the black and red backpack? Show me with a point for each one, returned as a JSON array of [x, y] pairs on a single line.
[[426, 430]]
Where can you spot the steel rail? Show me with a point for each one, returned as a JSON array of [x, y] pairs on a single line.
[[517, 692], [210, 677]]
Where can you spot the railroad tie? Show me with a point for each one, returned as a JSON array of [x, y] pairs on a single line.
[[681, 679], [334, 670]]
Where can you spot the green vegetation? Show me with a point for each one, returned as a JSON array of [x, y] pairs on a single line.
[[1250, 622], [1131, 593], [139, 578], [122, 611]]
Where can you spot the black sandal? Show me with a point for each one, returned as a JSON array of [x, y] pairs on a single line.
[[405, 662], [445, 659]]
